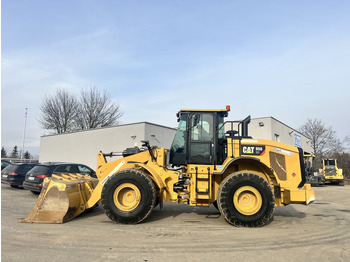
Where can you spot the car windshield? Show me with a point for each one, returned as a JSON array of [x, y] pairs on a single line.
[[40, 169]]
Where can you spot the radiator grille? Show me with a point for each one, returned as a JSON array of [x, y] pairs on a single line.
[[278, 164]]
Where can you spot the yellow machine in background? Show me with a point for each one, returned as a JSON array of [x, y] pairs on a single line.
[[331, 172], [313, 177], [244, 178]]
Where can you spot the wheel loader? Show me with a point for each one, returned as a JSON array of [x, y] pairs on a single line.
[[209, 163], [331, 172], [313, 177]]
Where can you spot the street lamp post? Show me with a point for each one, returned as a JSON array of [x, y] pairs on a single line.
[[24, 132]]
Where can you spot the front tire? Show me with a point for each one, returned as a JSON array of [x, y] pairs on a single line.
[[128, 197], [246, 199]]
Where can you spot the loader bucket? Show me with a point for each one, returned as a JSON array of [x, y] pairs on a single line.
[[62, 198]]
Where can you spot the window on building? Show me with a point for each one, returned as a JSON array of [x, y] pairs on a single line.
[[277, 137]]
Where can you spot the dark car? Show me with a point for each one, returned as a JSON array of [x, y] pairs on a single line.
[[35, 177], [4, 163], [14, 174]]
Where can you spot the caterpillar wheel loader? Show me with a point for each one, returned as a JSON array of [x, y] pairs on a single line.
[[244, 178]]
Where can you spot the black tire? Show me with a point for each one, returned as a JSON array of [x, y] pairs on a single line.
[[246, 199], [128, 197], [215, 204]]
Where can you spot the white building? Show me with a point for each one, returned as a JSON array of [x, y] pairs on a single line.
[[272, 129], [83, 146]]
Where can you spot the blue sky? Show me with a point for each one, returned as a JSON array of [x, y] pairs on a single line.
[[286, 59]]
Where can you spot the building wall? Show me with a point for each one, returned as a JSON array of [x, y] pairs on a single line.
[[271, 129], [83, 147], [280, 132]]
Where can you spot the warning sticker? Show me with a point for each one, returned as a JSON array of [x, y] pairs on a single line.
[[252, 150], [113, 172]]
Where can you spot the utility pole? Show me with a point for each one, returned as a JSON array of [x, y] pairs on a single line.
[[24, 132]]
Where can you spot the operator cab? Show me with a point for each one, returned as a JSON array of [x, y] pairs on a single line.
[[200, 137]]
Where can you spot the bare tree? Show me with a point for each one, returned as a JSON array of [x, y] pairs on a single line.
[[324, 141], [97, 110], [58, 112], [346, 143]]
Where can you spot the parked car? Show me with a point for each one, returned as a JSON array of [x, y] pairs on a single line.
[[4, 163], [14, 174], [35, 177]]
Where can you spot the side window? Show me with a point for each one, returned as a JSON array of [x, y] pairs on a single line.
[[84, 170], [202, 127], [66, 169], [221, 127]]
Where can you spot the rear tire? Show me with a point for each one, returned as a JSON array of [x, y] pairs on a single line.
[[128, 197], [215, 204], [246, 199]]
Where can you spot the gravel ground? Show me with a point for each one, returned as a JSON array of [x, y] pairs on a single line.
[[318, 232]]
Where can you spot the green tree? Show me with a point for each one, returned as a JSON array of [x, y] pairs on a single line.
[[3, 152], [14, 153], [27, 155]]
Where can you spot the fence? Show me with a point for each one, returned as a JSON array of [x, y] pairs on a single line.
[[17, 160]]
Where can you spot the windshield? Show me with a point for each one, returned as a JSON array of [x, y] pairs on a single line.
[[178, 144], [329, 162]]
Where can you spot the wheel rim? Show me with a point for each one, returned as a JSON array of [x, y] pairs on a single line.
[[127, 197], [247, 200]]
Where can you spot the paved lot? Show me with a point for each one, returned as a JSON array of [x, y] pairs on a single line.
[[319, 232]]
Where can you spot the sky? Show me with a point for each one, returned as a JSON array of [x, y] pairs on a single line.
[[285, 59]]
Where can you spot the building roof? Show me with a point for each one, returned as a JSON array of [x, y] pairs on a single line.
[[106, 127]]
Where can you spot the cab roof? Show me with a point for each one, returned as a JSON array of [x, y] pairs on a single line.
[[205, 110]]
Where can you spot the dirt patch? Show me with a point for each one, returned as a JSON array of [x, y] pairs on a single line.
[[318, 232]]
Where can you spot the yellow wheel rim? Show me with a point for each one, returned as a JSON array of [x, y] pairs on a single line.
[[247, 200], [127, 197]]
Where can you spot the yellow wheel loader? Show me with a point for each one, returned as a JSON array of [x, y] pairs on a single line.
[[331, 172], [208, 163]]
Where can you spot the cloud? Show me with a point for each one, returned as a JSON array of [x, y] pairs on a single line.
[[267, 60]]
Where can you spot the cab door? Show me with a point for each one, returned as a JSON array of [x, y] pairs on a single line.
[[201, 138]]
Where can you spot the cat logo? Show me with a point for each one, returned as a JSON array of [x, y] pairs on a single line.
[[252, 150]]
